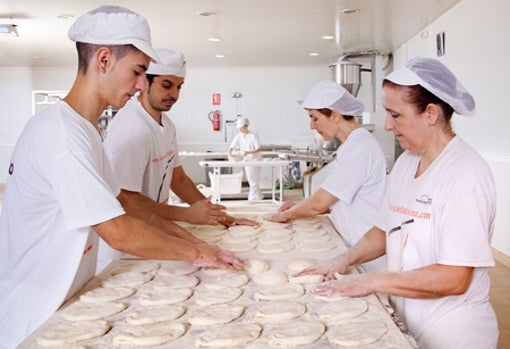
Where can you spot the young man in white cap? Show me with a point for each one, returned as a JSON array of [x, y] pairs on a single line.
[[249, 145], [436, 220], [60, 190], [141, 144], [355, 188]]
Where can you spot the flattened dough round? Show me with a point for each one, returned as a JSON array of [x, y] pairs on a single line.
[[318, 246], [228, 280], [255, 266], [296, 265], [279, 292], [80, 311], [177, 268], [271, 277], [356, 333], [279, 311], [170, 296], [239, 247], [215, 314], [155, 334], [216, 295], [127, 280], [72, 332], [232, 335], [347, 308], [276, 248], [135, 267], [107, 294], [148, 315], [292, 333], [177, 281]]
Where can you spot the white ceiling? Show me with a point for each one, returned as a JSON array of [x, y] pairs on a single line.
[[253, 32]]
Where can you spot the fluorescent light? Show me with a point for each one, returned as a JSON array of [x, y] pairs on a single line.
[[214, 39], [8, 30], [313, 54], [327, 37]]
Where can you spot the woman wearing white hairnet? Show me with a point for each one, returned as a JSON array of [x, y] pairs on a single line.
[[249, 145], [436, 220], [355, 188]]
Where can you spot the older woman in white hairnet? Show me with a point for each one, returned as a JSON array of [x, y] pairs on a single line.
[[436, 219], [355, 188], [249, 145]]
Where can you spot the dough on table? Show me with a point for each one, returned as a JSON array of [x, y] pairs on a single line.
[[310, 234], [317, 246], [243, 230], [347, 308], [307, 279], [239, 247], [268, 224], [309, 220], [177, 268], [228, 280], [80, 311], [169, 296], [256, 266], [148, 315], [279, 292], [229, 239], [270, 277], [328, 299], [177, 281], [215, 314], [127, 279], [276, 248], [292, 333], [282, 239], [306, 225], [216, 295], [72, 332], [107, 294], [232, 335], [276, 233], [155, 334], [310, 238], [279, 311], [135, 267], [296, 265], [356, 333]]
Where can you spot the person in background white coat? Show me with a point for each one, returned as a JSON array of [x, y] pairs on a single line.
[[61, 194], [436, 220], [249, 146], [354, 189]]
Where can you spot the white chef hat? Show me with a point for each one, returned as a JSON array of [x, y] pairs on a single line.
[[329, 94], [242, 122], [113, 25], [436, 78], [170, 63]]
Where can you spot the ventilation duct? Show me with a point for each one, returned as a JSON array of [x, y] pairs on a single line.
[[347, 74]]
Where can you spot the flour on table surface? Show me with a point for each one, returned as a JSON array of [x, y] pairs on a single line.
[[72, 332], [317, 246]]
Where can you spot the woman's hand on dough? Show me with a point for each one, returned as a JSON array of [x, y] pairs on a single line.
[[346, 285], [285, 206], [328, 267]]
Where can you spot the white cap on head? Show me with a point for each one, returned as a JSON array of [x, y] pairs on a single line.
[[329, 94], [436, 78], [170, 63], [242, 122], [113, 25]]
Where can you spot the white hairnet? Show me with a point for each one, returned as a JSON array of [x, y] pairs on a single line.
[[170, 63], [329, 94], [436, 78], [242, 122]]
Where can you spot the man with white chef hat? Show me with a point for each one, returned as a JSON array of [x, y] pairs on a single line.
[[354, 189], [61, 194], [141, 144], [249, 145]]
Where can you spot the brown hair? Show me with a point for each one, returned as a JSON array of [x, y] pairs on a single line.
[[327, 112], [420, 98], [86, 51]]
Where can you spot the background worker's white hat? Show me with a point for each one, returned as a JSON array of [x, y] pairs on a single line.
[[170, 63], [329, 94], [113, 25], [436, 78], [242, 122]]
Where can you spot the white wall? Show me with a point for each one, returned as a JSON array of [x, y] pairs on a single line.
[[477, 52]]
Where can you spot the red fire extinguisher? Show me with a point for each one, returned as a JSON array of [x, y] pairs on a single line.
[[215, 117]]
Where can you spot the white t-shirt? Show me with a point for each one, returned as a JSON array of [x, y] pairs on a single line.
[[59, 184], [247, 142], [143, 153], [358, 181], [452, 204]]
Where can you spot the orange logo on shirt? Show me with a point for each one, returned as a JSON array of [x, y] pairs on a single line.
[[88, 249]]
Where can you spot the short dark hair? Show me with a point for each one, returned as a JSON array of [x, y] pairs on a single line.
[[86, 50], [420, 98], [328, 112]]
